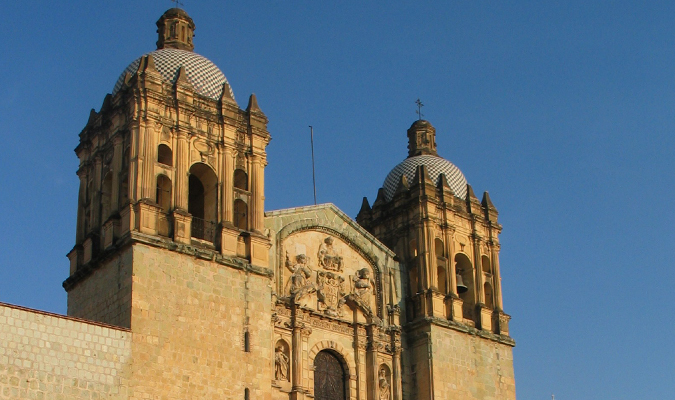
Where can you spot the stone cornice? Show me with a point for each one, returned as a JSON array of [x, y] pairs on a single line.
[[417, 324], [133, 238]]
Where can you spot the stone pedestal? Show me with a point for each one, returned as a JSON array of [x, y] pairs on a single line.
[[182, 226], [436, 304], [108, 233], [260, 246], [146, 217], [501, 322], [228, 241], [88, 250], [75, 257], [453, 306], [484, 318]]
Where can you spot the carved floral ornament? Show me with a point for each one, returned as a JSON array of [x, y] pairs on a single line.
[[333, 289]]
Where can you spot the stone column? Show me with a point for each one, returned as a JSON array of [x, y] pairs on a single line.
[[497, 277], [96, 202], [79, 234], [133, 164], [149, 149], [478, 268], [181, 184], [116, 169], [396, 376], [297, 391], [257, 212], [228, 186], [450, 251]]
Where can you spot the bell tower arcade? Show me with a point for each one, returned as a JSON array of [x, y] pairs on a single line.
[[169, 159]]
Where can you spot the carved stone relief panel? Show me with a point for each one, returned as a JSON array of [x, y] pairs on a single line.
[[337, 280]]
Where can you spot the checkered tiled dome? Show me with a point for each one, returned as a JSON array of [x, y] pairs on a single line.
[[435, 165], [204, 75]]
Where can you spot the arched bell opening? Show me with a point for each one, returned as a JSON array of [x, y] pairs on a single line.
[[203, 201], [441, 266], [464, 270], [331, 381], [164, 155]]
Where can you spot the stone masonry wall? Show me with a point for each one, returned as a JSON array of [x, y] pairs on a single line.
[[105, 296], [48, 356], [189, 318], [471, 367]]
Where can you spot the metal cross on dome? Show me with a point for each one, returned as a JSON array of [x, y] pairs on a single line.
[[419, 109], [178, 3]]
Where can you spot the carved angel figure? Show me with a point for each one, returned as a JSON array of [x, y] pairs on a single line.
[[328, 258], [363, 284], [280, 364], [299, 284]]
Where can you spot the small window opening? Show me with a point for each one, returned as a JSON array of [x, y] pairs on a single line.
[[247, 343], [247, 394]]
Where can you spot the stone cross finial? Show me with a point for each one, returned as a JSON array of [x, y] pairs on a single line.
[[419, 108]]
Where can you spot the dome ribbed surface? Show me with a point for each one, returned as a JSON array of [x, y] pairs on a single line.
[[205, 76], [435, 165]]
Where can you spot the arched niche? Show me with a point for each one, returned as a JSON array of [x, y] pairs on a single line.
[[282, 361], [240, 179], [486, 265], [164, 155], [203, 201]]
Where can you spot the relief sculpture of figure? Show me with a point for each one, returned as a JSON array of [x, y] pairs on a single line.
[[363, 284], [328, 258], [280, 364], [384, 385], [362, 287], [299, 284]]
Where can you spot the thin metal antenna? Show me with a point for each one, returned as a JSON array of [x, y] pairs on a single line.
[[311, 138], [419, 109]]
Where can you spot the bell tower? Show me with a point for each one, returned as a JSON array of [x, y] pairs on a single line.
[[448, 244], [170, 159]]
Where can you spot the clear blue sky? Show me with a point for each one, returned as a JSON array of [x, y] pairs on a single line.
[[563, 111]]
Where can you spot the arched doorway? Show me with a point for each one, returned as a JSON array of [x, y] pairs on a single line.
[[329, 377]]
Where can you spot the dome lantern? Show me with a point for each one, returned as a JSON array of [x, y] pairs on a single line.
[[421, 139], [175, 30]]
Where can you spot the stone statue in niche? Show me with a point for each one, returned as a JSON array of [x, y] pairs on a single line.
[[281, 362], [299, 284], [330, 293], [384, 385], [328, 258]]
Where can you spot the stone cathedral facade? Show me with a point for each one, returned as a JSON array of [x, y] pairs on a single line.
[[181, 286]]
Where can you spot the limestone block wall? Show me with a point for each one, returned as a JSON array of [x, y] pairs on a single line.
[[190, 316], [105, 296], [49, 356], [470, 367]]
